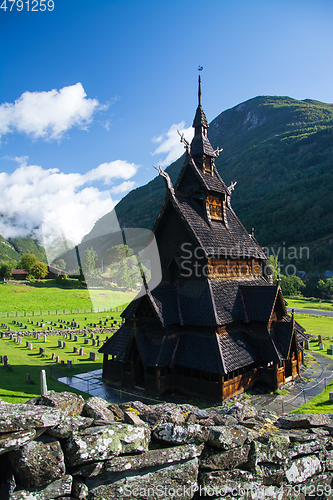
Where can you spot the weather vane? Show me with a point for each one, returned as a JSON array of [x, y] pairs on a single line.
[[200, 68]]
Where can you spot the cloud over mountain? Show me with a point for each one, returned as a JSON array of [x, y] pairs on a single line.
[[33, 196]]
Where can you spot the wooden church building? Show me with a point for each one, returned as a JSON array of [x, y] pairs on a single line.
[[216, 324]]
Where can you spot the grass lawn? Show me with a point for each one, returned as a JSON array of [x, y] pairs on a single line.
[[47, 296], [13, 384], [324, 305], [318, 404], [61, 320], [316, 325]]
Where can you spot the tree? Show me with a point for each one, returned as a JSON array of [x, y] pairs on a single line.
[[291, 285], [6, 269], [116, 254], [28, 261], [60, 264], [274, 265], [39, 270], [91, 267], [326, 288]]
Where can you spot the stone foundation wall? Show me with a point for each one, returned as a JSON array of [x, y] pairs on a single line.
[[60, 446]]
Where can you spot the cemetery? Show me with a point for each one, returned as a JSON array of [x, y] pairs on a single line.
[[57, 351]]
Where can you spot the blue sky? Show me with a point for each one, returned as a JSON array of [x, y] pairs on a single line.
[[90, 90]]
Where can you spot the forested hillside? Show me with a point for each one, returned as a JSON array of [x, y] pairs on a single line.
[[13, 249]]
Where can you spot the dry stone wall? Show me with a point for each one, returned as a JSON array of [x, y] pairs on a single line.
[[60, 446]]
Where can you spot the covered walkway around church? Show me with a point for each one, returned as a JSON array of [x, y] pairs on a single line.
[[92, 383]]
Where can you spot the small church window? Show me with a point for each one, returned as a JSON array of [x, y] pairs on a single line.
[[215, 207], [207, 164]]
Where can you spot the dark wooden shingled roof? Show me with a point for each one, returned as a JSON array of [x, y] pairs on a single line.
[[200, 145], [237, 350], [209, 303], [228, 301], [208, 181], [231, 240], [200, 119], [259, 301], [116, 345]]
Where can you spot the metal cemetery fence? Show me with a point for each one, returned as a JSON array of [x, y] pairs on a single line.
[[18, 314]]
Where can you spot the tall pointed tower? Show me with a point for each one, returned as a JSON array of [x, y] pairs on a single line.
[[216, 324]]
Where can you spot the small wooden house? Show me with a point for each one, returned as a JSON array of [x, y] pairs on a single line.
[[216, 324]]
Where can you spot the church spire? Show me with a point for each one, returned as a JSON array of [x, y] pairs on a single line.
[[200, 145], [199, 91]]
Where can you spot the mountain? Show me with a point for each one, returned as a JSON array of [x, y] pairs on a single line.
[[13, 249], [280, 152]]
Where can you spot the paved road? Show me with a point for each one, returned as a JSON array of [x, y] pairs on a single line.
[[317, 312], [321, 369]]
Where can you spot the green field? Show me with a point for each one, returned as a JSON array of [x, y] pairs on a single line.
[[323, 305], [318, 404], [14, 387], [47, 296], [316, 325]]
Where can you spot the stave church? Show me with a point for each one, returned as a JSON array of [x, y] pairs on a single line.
[[216, 324]]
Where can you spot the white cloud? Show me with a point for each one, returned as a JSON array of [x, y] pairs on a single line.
[[169, 143], [124, 187], [115, 169], [32, 196], [48, 115]]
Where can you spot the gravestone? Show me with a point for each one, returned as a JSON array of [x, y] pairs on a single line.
[[1, 359], [70, 336], [319, 339], [93, 356], [75, 350], [41, 350], [11, 336], [30, 347], [59, 343], [321, 346], [45, 338], [76, 338], [5, 360], [93, 341], [86, 341], [97, 337], [331, 396], [98, 343], [28, 378], [85, 334], [330, 352], [53, 355], [69, 364], [92, 335], [27, 343], [81, 351], [64, 345], [43, 386], [62, 362], [57, 359], [19, 340]]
